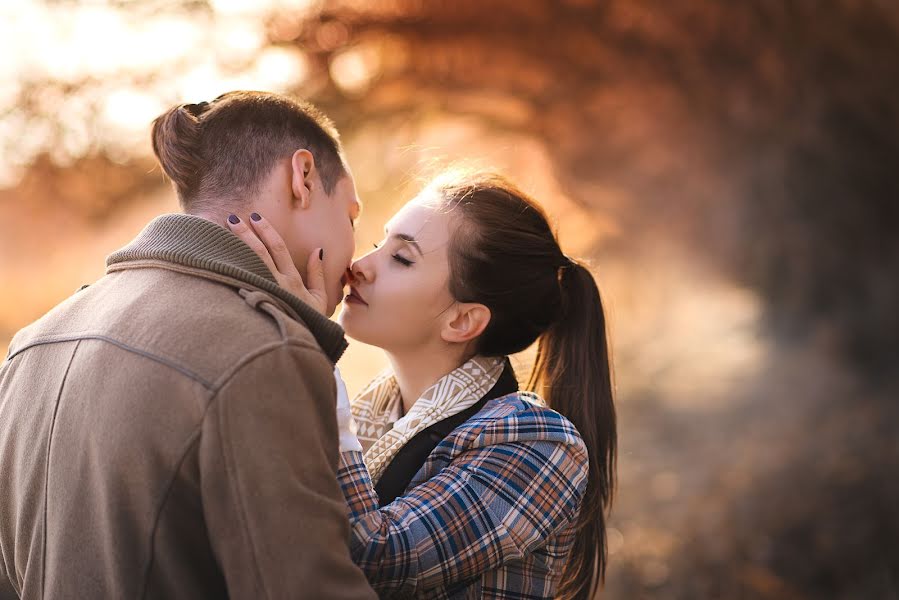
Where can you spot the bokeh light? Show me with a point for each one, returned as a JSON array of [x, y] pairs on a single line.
[[726, 169]]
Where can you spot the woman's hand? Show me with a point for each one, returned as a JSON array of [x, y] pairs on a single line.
[[259, 235]]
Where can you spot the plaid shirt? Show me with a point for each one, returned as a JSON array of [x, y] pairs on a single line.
[[490, 514]]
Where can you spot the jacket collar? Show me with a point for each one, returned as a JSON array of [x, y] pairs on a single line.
[[191, 241], [374, 408]]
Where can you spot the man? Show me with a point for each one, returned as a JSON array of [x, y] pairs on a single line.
[[169, 431]]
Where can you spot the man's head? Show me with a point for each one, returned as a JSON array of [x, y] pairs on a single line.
[[260, 152]]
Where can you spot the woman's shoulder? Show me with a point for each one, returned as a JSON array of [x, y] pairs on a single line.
[[521, 417]]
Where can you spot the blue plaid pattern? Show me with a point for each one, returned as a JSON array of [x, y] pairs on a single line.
[[490, 514]]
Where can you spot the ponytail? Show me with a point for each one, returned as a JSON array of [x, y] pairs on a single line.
[[573, 372], [176, 142], [219, 153], [506, 256]]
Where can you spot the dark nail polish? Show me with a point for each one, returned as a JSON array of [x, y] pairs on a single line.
[[233, 219], [321, 254], [255, 216]]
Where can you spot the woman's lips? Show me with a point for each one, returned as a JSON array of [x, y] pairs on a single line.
[[355, 298]]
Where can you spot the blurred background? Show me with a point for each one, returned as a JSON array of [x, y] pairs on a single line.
[[729, 169]]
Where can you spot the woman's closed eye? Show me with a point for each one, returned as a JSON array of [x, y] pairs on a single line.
[[400, 259]]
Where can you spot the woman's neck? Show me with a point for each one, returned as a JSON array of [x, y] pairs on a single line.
[[416, 371]]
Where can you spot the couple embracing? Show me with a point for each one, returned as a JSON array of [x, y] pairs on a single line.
[[178, 429]]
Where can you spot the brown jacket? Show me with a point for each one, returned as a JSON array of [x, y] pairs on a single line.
[[169, 432]]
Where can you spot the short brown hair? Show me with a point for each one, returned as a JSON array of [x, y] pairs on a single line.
[[220, 151]]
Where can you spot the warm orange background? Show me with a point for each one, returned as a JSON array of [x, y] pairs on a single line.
[[727, 169]]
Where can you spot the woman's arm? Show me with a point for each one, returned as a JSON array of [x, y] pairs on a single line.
[[490, 505]]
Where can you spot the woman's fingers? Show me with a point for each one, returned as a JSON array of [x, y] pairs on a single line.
[[239, 228], [269, 245], [277, 249]]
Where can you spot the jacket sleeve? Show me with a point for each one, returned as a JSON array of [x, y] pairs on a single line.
[[268, 458], [490, 505]]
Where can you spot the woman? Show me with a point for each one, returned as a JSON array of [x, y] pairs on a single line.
[[459, 485]]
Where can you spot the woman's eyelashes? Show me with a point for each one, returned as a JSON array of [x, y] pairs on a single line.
[[403, 261]]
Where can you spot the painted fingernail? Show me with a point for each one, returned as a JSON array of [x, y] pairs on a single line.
[[321, 254], [233, 219], [255, 216]]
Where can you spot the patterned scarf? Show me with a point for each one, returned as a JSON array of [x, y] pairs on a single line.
[[377, 409]]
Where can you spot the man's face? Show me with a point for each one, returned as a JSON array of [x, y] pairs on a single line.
[[328, 223]]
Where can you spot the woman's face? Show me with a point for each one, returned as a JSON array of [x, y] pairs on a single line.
[[400, 290]]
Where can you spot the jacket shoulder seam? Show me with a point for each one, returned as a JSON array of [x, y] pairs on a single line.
[[119, 344]]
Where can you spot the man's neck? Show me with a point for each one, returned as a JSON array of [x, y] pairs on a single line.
[[417, 370], [217, 217], [219, 211]]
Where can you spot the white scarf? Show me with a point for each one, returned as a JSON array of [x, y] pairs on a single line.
[[377, 409]]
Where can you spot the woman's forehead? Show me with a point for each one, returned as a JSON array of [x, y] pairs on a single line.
[[421, 220]]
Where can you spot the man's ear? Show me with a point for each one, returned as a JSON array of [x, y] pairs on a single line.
[[467, 321], [302, 166]]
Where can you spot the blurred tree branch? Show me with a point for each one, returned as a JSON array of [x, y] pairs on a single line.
[[764, 132]]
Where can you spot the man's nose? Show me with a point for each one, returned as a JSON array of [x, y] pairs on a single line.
[[347, 278]]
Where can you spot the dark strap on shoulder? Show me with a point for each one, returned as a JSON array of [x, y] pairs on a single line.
[[410, 458]]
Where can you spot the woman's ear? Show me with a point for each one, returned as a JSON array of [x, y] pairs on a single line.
[[467, 321], [302, 165]]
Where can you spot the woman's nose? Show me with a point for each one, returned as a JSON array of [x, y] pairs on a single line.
[[359, 271]]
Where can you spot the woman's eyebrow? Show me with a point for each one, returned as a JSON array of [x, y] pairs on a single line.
[[405, 237]]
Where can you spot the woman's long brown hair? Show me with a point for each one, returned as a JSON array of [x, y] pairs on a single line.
[[505, 255], [572, 368]]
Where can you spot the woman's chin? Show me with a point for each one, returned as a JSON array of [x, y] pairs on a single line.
[[356, 336], [345, 319], [357, 333]]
